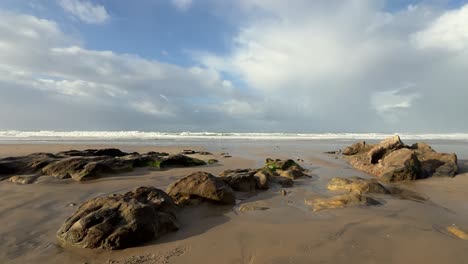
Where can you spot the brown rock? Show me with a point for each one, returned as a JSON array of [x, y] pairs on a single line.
[[355, 148], [240, 180], [342, 201], [119, 221], [356, 185], [401, 165], [24, 179], [201, 186]]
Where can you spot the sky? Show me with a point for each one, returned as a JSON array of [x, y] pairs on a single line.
[[234, 65]]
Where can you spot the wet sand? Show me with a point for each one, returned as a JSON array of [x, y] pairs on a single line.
[[399, 231]]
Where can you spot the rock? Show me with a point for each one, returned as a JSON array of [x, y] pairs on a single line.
[[386, 146], [110, 152], [86, 168], [391, 160], [201, 186], [282, 181], [240, 180], [356, 185], [120, 221], [29, 164], [458, 232], [180, 161], [292, 173], [212, 161], [283, 192], [252, 207], [401, 165], [25, 179], [342, 201], [261, 179], [206, 153], [284, 168], [355, 148]]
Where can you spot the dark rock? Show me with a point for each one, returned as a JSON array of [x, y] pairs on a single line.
[[201, 186], [29, 164], [110, 152], [119, 221], [180, 161], [212, 161], [240, 180]]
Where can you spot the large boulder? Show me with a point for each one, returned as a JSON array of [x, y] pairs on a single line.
[[285, 168], [242, 180], [201, 186], [119, 221], [391, 160]]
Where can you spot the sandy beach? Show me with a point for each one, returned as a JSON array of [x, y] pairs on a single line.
[[398, 231]]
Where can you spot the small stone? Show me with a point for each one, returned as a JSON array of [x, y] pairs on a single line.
[[458, 232], [284, 192]]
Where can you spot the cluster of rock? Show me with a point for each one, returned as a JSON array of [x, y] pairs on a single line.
[[87, 164], [357, 192], [391, 160], [123, 220]]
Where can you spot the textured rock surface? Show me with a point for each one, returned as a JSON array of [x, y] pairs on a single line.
[[356, 185], [120, 220], [89, 164], [201, 186], [391, 160], [242, 180], [341, 201]]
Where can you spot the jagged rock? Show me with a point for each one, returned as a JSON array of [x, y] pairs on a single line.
[[284, 168], [355, 148], [201, 186], [356, 185], [86, 168], [119, 221], [180, 161], [242, 180], [341, 201], [29, 164], [401, 165], [391, 160]]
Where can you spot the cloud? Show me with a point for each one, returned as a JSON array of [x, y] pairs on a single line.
[[449, 32], [334, 65], [39, 60], [85, 11], [182, 5]]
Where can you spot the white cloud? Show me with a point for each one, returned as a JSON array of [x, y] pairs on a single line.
[[182, 5], [449, 31], [36, 56], [85, 11]]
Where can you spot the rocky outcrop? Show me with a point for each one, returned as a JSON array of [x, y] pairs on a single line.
[[201, 186], [391, 160], [120, 220], [89, 164]]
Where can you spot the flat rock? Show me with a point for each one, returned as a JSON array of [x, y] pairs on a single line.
[[356, 185], [457, 232], [23, 179], [180, 161], [201, 186], [119, 221], [341, 201]]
